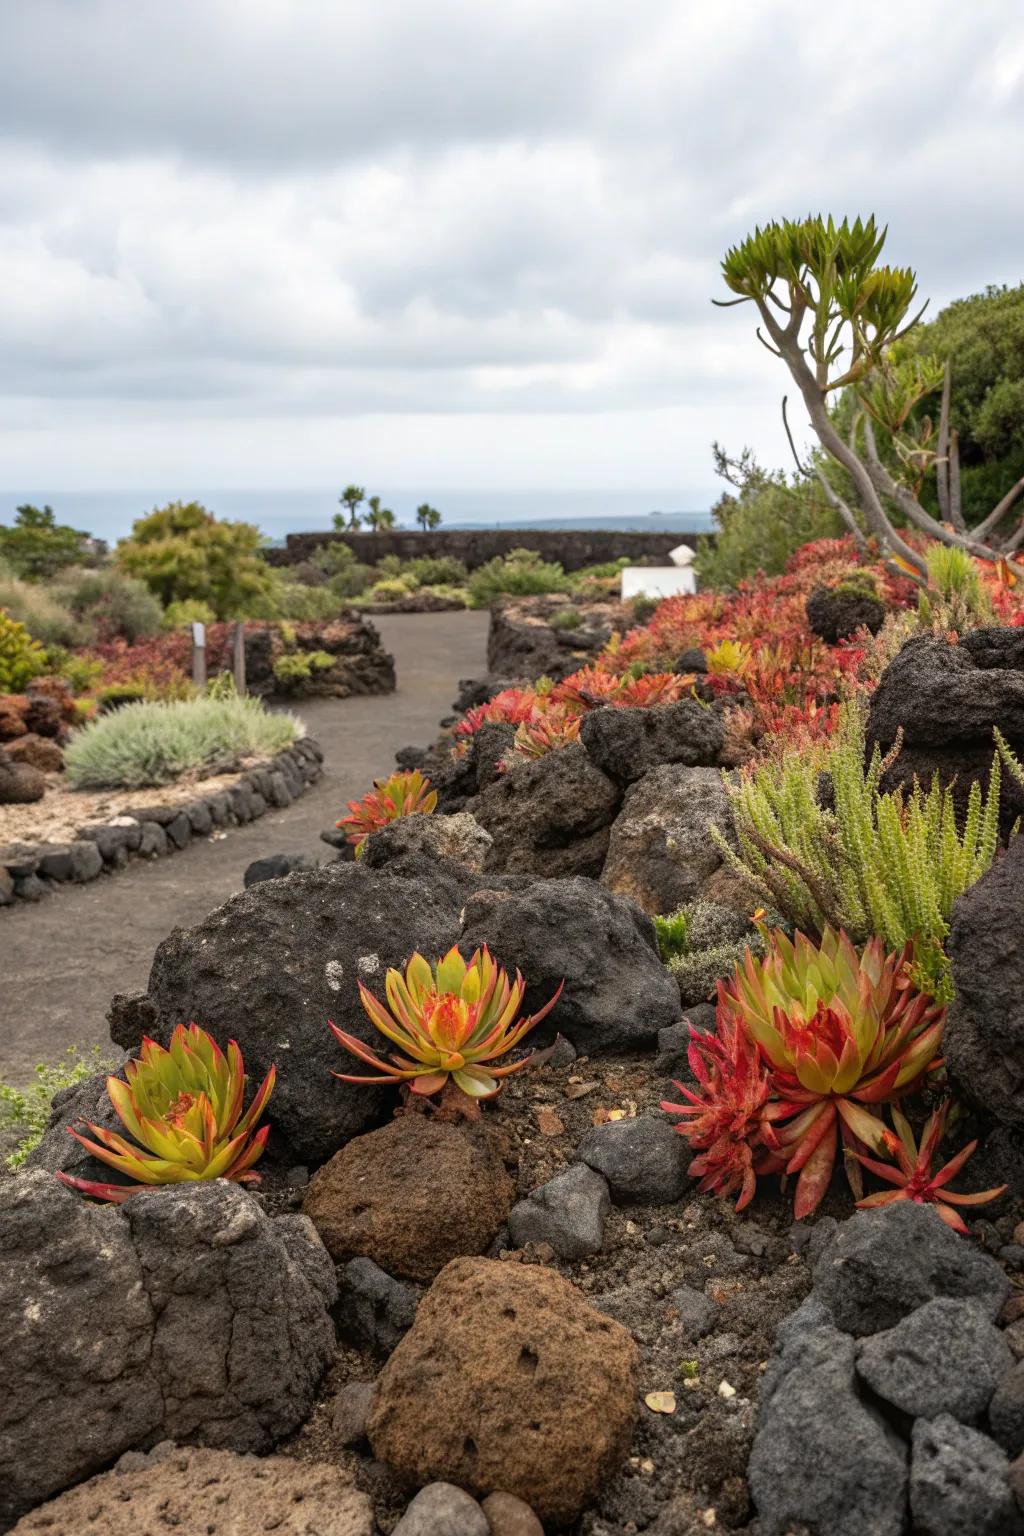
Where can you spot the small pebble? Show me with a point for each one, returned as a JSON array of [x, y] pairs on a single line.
[[509, 1516], [351, 1410]]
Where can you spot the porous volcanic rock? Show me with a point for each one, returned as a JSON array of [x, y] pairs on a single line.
[[549, 816], [643, 1159], [959, 1482], [37, 751], [509, 1380], [835, 612], [459, 838], [984, 1036], [947, 697], [883, 1264], [627, 743], [617, 993], [411, 1195], [20, 784], [184, 1313], [946, 1357], [661, 850], [272, 965], [220, 1493], [823, 1459]]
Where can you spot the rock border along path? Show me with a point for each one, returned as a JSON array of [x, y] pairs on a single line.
[[62, 960]]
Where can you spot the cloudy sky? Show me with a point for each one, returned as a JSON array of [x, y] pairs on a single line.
[[293, 242]]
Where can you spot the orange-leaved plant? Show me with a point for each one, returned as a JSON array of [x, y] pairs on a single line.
[[407, 793], [838, 1032], [183, 1105], [913, 1176], [450, 1021]]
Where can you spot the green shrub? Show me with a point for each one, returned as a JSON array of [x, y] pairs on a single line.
[[291, 600], [46, 619], [431, 571], [566, 618], [154, 743], [182, 551], [111, 604], [26, 1111], [36, 547], [346, 576], [188, 610], [390, 590], [116, 695], [297, 667], [82, 672], [887, 864], [671, 932], [520, 573], [21, 657], [758, 528]]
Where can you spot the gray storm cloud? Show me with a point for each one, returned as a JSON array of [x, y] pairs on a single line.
[[234, 212]]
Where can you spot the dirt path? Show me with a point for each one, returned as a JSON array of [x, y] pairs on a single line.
[[62, 961]]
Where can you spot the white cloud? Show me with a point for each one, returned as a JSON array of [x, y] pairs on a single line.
[[275, 242]]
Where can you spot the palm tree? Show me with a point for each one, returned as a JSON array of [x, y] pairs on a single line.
[[427, 516], [352, 497], [379, 518]]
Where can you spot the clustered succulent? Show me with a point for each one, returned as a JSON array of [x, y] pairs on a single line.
[[406, 793], [183, 1106], [811, 1041]]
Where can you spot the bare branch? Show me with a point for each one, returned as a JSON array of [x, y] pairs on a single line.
[[942, 449], [955, 501], [767, 344], [998, 512]]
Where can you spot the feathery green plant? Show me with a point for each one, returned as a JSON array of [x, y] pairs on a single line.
[[956, 597], [154, 743], [671, 933], [890, 864]]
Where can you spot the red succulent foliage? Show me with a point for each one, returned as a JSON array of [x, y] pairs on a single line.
[[723, 1119], [913, 1176]]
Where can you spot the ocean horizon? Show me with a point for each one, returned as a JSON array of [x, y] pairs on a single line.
[[109, 514]]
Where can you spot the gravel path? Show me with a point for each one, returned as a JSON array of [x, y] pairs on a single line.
[[62, 961]]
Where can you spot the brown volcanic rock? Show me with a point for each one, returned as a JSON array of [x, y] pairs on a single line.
[[37, 751], [217, 1492], [508, 1379], [411, 1196]]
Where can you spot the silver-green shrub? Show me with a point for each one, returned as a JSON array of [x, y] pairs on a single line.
[[155, 743]]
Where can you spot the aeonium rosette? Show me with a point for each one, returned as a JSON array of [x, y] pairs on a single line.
[[838, 1033], [451, 1021]]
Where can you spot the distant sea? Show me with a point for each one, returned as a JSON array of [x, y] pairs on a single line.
[[110, 514]]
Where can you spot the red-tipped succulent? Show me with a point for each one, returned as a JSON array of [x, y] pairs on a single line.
[[722, 1120], [403, 794], [451, 1021], [183, 1105], [913, 1176]]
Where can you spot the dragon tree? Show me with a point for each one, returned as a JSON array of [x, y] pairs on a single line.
[[834, 316]]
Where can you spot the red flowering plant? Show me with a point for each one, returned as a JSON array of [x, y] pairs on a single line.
[[811, 1040]]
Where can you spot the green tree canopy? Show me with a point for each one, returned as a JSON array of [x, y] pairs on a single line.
[[378, 517], [427, 516], [36, 547], [182, 551]]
